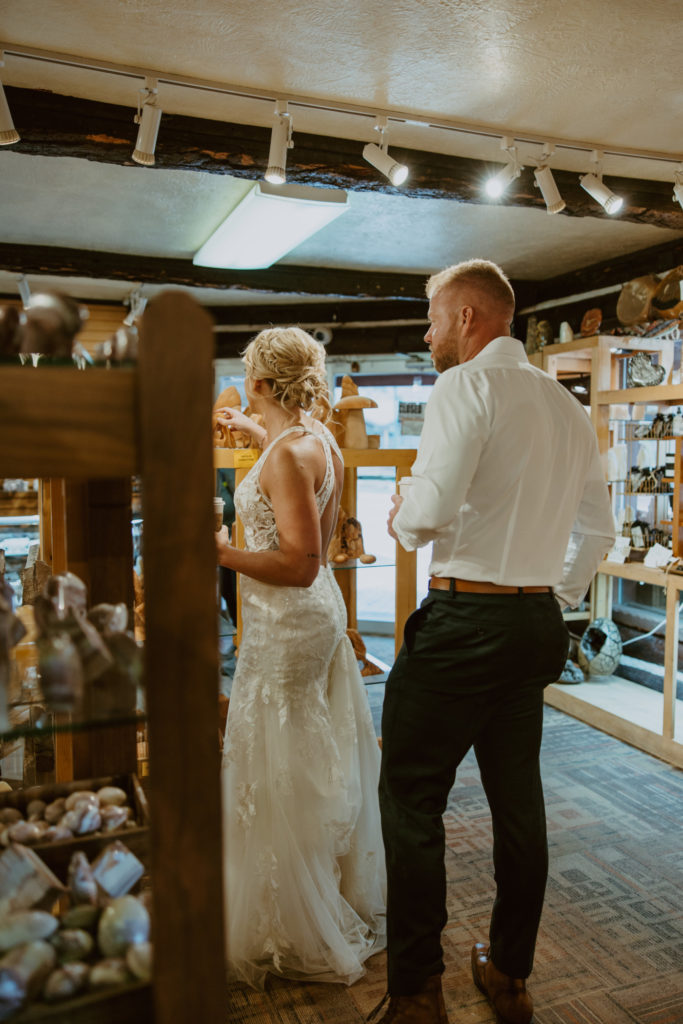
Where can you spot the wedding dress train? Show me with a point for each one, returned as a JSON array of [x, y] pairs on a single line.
[[304, 874]]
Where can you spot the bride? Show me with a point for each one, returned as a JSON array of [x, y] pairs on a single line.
[[304, 876]]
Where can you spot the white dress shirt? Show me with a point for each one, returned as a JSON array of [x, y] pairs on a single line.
[[508, 482]]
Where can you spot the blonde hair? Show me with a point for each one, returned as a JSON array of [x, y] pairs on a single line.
[[294, 364], [484, 275]]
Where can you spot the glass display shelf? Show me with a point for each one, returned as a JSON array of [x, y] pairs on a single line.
[[355, 563], [48, 723]]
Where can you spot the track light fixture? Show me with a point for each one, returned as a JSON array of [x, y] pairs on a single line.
[[8, 133], [678, 185], [378, 156], [496, 185], [593, 184], [148, 117], [136, 302], [24, 290], [280, 142], [543, 177]]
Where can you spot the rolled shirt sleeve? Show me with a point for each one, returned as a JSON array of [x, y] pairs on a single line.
[[455, 430], [591, 538]]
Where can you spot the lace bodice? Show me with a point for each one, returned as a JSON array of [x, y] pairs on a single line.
[[254, 508]]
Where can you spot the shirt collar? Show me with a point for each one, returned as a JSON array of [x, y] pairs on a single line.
[[502, 351]]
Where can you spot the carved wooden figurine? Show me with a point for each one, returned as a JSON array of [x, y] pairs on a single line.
[[348, 422], [12, 630], [223, 437], [368, 668], [347, 541]]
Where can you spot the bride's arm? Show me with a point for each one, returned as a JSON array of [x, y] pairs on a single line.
[[233, 419], [288, 479]]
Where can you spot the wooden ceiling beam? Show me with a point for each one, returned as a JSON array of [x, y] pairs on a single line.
[[56, 125], [61, 262], [335, 314], [656, 259], [378, 339]]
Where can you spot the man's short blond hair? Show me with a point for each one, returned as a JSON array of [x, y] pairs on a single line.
[[484, 275]]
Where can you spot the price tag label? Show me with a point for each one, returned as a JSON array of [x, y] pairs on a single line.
[[245, 457]]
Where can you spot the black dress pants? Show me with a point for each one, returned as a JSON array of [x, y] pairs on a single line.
[[471, 672]]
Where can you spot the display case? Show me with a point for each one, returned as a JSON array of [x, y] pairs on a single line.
[[642, 419], [85, 433]]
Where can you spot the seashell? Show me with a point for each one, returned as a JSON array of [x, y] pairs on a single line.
[[591, 322], [54, 811], [82, 819], [72, 944], [81, 880], [109, 618], [123, 922], [25, 832], [91, 820], [61, 671], [36, 809], [139, 960], [41, 824], [111, 795], [82, 916], [80, 794], [4, 838], [641, 372], [10, 815], [4, 786], [55, 833], [23, 926], [66, 982], [23, 972], [117, 869], [114, 817], [109, 972]]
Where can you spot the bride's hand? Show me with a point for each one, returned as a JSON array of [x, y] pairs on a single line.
[[223, 546], [233, 419]]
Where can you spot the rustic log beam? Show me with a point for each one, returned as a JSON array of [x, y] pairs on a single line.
[[295, 280], [614, 273], [335, 314], [55, 125], [379, 339], [656, 259]]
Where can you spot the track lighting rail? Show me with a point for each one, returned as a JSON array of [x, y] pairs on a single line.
[[316, 103]]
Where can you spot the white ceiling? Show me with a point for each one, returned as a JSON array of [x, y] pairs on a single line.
[[600, 73]]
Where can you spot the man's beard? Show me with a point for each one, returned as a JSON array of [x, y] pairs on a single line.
[[444, 361]]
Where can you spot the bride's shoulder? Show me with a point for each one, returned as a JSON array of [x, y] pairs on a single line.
[[294, 454]]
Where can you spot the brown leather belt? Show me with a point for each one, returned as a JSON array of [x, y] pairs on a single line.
[[481, 587]]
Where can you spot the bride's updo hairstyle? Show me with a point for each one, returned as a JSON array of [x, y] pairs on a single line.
[[294, 364]]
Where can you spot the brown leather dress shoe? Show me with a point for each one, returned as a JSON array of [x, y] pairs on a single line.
[[423, 1007], [508, 996]]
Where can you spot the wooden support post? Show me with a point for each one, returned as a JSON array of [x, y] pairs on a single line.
[[406, 581], [673, 596], [345, 577], [181, 661], [99, 545]]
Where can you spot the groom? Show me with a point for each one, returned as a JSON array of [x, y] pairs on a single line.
[[509, 488]]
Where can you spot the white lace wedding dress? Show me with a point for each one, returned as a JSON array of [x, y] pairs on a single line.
[[305, 877]]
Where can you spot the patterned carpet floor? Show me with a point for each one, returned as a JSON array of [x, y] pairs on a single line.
[[610, 948]]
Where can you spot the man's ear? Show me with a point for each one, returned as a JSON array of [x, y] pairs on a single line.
[[467, 314]]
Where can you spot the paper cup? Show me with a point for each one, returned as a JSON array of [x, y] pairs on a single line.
[[218, 506]]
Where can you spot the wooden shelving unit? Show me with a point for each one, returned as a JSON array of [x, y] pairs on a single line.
[[95, 429], [626, 710]]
